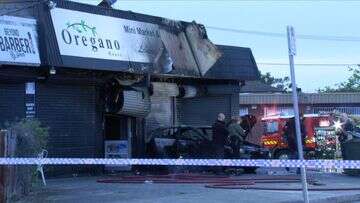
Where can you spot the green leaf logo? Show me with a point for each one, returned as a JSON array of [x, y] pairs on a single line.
[[82, 27]]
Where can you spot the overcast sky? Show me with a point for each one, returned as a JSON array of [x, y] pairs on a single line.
[[329, 18]]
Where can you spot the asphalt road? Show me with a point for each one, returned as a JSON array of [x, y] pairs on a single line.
[[86, 189]]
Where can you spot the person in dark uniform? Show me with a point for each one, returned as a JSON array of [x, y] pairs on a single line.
[[290, 132], [347, 126], [219, 134], [236, 137]]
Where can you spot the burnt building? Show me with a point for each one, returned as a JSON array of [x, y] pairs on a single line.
[[102, 79]]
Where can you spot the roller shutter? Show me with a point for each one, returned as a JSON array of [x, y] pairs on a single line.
[[162, 105], [70, 112], [201, 111], [161, 114], [126, 99], [12, 102]]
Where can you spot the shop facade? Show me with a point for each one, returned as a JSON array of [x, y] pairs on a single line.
[[107, 78]]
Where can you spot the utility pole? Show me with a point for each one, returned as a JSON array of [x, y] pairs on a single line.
[[292, 53]]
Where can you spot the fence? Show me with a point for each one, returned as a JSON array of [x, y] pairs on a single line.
[[348, 110]]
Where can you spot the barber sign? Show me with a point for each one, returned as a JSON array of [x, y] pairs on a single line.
[[18, 41]]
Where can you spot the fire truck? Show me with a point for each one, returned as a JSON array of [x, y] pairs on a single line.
[[318, 136]]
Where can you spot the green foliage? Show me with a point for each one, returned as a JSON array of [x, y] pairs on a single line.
[[281, 83], [352, 84], [31, 137], [28, 139]]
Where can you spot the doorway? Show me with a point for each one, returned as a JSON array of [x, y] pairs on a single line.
[[118, 133]]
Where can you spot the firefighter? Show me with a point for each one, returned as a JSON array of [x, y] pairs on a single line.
[[290, 132], [347, 127], [348, 122], [219, 133], [291, 136], [236, 136]]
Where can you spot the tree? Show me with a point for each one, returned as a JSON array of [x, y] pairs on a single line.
[[352, 84], [281, 83]]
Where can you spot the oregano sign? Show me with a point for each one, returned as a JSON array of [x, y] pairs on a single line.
[[89, 35]]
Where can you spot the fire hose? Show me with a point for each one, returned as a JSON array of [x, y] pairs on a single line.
[[226, 182]]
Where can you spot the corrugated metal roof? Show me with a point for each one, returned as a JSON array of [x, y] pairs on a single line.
[[304, 98], [258, 87], [235, 63], [332, 98]]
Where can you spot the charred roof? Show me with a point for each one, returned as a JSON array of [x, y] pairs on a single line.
[[235, 63]]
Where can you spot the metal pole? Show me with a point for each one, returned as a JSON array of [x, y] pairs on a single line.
[[292, 52]]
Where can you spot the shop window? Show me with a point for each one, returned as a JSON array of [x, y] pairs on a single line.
[[271, 111]]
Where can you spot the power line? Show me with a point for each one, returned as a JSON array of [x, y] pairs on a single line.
[[253, 32], [309, 64], [283, 35], [241, 31]]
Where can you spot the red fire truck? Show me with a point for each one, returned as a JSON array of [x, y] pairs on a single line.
[[318, 128]]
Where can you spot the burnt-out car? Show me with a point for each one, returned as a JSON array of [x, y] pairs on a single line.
[[180, 141], [194, 142]]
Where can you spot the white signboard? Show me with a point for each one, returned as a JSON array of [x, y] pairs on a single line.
[[30, 88], [18, 41], [89, 35], [291, 40], [117, 149]]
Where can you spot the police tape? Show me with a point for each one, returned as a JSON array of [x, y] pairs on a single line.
[[319, 164]]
